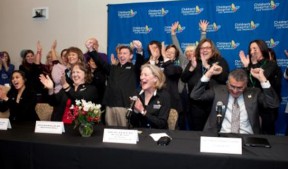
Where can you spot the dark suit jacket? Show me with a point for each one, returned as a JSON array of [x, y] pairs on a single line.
[[252, 98]]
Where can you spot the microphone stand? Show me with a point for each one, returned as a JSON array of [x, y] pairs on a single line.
[[128, 117], [219, 118]]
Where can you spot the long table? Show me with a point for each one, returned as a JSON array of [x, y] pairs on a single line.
[[21, 148]]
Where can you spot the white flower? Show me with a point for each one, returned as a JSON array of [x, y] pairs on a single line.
[[78, 102]]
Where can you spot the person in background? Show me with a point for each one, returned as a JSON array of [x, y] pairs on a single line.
[[184, 59], [80, 89], [20, 100], [241, 113], [155, 53], [6, 68], [151, 109], [48, 64], [172, 70], [206, 56], [286, 77], [95, 45], [121, 84], [258, 57], [98, 78], [59, 67], [74, 55], [32, 67]]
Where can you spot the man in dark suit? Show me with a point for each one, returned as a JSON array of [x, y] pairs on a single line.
[[247, 100]]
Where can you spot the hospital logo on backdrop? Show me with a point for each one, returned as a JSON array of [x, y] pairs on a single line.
[[227, 9], [157, 12], [246, 26], [272, 43], [141, 29], [213, 27], [179, 29], [191, 11], [185, 44], [127, 14], [266, 6], [281, 24], [227, 45]]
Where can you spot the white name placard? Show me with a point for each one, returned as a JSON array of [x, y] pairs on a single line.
[[51, 127], [120, 136], [221, 145], [5, 124]]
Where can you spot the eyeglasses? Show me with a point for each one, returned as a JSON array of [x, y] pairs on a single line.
[[239, 89], [205, 48]]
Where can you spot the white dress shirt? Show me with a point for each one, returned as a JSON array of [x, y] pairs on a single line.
[[245, 126]]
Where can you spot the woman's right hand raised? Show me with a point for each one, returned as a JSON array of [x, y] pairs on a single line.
[[174, 28], [244, 59], [46, 81]]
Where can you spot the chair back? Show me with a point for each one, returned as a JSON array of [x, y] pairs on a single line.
[[172, 119]]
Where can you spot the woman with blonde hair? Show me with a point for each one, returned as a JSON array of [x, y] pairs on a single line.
[[152, 106]]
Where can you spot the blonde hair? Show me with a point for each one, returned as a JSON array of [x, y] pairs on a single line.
[[189, 47], [158, 73]]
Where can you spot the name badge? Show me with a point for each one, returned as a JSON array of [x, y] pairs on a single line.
[[51, 127], [156, 106], [5, 124]]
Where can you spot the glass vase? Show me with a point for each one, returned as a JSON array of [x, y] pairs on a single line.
[[86, 129]]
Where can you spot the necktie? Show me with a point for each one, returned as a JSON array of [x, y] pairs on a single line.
[[235, 120]]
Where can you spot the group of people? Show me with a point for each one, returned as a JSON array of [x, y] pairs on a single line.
[[143, 93]]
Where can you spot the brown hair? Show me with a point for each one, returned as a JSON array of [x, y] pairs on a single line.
[[215, 51], [85, 69]]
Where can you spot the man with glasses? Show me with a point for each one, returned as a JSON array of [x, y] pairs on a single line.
[[236, 99]]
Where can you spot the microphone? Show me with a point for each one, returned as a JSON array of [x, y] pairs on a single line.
[[219, 106], [130, 109]]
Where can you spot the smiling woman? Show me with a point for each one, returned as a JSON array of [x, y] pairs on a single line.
[[81, 89], [152, 107], [21, 100]]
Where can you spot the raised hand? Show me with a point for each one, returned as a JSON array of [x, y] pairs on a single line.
[[193, 64], [53, 50], [258, 73], [39, 47], [39, 53], [174, 28], [114, 61], [214, 70], [163, 51], [138, 45], [89, 45], [155, 53], [203, 24], [244, 59], [138, 106], [54, 45], [46, 81]]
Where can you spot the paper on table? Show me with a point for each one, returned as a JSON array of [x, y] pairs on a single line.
[[157, 136]]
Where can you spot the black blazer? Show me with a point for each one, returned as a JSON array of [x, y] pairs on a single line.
[[25, 109]]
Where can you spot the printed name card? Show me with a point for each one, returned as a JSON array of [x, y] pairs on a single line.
[[120, 136], [5, 124], [51, 127], [221, 145]]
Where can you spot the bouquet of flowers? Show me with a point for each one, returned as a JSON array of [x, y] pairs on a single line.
[[85, 114]]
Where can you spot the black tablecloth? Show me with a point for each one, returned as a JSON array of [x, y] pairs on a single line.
[[21, 148]]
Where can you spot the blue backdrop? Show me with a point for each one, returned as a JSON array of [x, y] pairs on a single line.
[[232, 25]]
